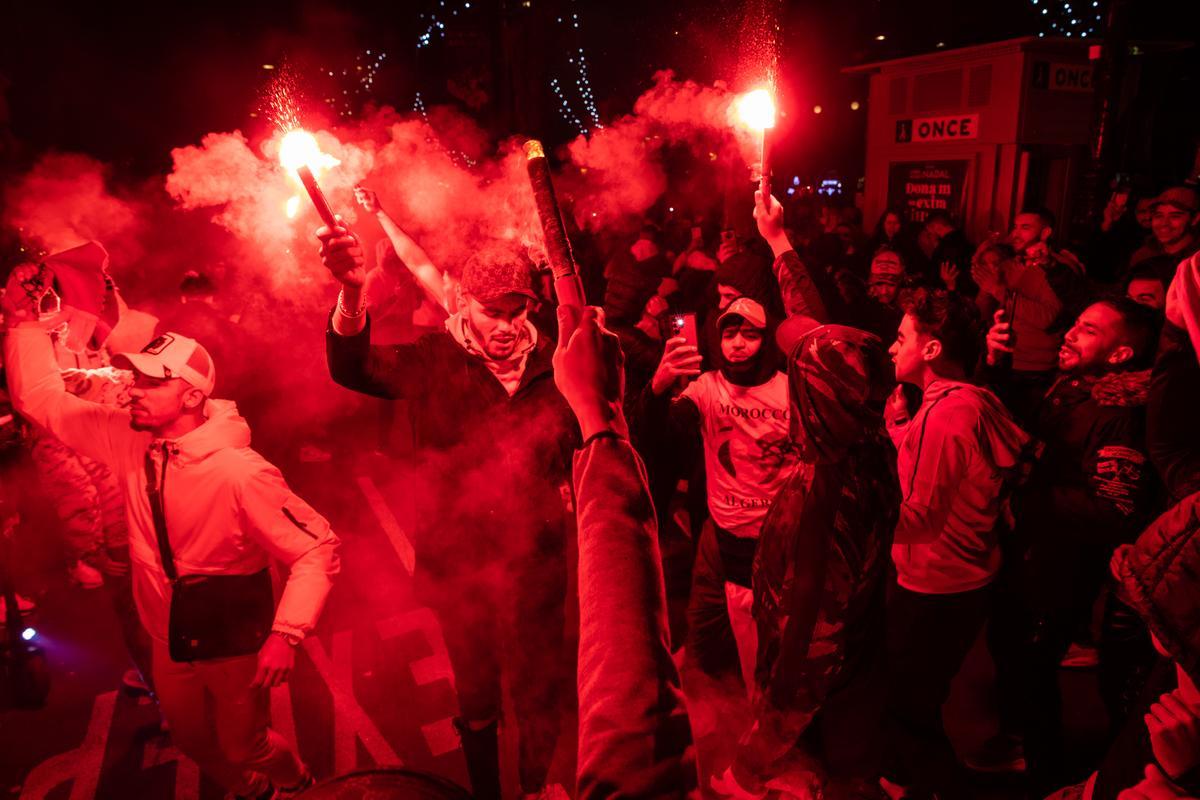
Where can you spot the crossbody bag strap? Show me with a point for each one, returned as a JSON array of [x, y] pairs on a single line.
[[154, 492]]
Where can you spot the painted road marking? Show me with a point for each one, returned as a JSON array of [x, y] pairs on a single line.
[[389, 523], [83, 763]]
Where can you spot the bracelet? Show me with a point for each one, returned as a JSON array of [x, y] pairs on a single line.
[[291, 638], [341, 306]]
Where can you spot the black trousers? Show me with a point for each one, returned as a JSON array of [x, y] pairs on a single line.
[[506, 624], [928, 637]]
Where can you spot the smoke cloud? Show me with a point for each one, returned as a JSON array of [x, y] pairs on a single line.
[[223, 210]]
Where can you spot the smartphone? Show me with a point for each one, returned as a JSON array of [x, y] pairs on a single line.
[[685, 325]]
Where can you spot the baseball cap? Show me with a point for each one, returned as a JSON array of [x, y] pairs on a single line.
[[1182, 197], [173, 355], [748, 310], [489, 279]]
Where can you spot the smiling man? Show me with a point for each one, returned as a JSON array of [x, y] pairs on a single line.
[[495, 441], [199, 502], [1175, 216], [1092, 490]]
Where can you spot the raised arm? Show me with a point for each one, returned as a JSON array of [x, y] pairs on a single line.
[[634, 736], [415, 259], [37, 388], [807, 293]]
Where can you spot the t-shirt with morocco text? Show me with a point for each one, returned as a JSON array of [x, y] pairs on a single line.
[[748, 450]]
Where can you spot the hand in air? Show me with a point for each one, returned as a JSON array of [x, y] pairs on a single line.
[[367, 199], [679, 360], [999, 338], [342, 254], [27, 285], [589, 370]]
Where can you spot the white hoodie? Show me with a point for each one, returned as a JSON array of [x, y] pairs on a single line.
[[228, 510]]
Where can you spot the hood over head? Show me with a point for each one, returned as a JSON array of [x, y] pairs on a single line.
[[839, 379]]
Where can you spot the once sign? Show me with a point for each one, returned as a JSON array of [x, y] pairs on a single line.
[[937, 129], [1062, 77]]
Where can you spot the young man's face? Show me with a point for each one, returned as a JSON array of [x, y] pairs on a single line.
[[1028, 229], [498, 323], [740, 342], [156, 403], [908, 352], [1171, 225], [726, 295], [1096, 341], [1148, 292]]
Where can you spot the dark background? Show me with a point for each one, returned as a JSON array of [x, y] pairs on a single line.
[[127, 82]]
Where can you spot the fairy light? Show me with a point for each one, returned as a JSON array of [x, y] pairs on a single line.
[[583, 84], [458, 156], [1070, 18]]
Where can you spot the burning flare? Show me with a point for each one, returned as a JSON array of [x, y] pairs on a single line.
[[756, 110], [299, 151], [299, 148]]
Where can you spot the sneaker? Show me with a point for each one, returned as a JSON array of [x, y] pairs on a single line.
[[85, 575], [1001, 753], [134, 683], [1080, 656]]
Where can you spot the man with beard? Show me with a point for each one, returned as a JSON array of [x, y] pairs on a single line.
[[494, 441], [1040, 285], [198, 501], [1092, 490], [740, 411]]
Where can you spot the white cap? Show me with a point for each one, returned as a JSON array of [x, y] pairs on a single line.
[[172, 355]]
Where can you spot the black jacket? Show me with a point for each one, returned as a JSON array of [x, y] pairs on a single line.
[[1174, 425], [1094, 487], [492, 467]]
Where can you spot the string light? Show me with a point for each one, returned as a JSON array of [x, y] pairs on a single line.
[[1063, 19], [583, 85], [458, 156]]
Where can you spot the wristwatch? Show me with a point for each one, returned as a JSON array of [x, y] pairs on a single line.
[[290, 638]]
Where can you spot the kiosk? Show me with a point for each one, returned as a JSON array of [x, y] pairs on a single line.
[[978, 131]]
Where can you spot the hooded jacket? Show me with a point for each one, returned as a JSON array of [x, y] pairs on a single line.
[[821, 555], [957, 459], [228, 510]]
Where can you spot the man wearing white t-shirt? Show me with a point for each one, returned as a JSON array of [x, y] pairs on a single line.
[[740, 411]]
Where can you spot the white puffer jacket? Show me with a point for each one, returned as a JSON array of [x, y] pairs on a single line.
[[228, 510]]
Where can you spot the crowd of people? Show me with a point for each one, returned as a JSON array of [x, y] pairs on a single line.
[[809, 468]]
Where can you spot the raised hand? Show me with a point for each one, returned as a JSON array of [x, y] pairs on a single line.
[[679, 360], [589, 370], [999, 338], [342, 254], [367, 199], [27, 285]]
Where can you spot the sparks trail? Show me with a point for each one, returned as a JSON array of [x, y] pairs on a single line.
[[280, 99]]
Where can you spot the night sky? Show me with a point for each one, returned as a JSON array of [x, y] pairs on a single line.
[[127, 85]]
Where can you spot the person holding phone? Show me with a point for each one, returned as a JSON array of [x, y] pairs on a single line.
[[740, 411]]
